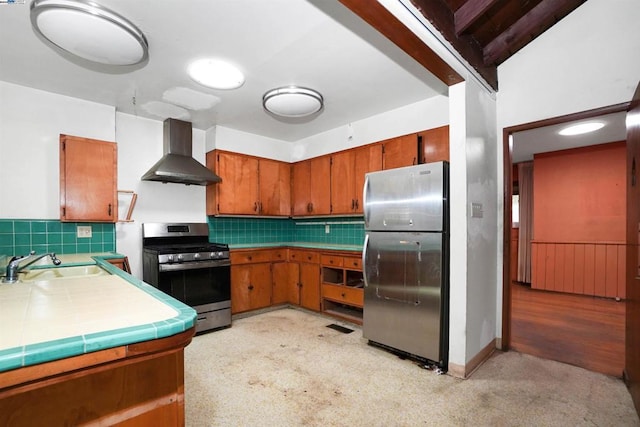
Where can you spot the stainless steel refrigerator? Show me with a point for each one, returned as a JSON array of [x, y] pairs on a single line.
[[406, 260]]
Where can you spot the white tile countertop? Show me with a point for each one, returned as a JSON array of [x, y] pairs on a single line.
[[47, 320]]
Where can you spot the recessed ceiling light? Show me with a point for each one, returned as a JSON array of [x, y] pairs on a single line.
[[216, 74], [292, 101], [90, 31], [581, 128]]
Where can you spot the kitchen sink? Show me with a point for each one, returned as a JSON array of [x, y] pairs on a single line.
[[40, 275]]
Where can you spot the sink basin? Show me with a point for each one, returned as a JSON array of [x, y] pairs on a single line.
[[62, 273]]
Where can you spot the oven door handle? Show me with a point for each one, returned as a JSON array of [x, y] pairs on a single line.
[[194, 265]]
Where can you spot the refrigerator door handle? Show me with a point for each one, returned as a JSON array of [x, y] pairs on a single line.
[[365, 206], [365, 253]]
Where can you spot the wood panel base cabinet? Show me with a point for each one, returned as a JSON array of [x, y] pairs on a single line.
[[139, 384]]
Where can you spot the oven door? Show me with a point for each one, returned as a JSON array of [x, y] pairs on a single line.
[[197, 283]]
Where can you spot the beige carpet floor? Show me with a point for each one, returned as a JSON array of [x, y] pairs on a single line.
[[286, 368]]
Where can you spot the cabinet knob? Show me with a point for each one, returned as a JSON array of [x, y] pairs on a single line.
[[250, 287], [255, 207], [249, 258], [343, 295], [109, 209]]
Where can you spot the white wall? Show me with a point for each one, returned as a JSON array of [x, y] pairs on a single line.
[[223, 138], [31, 122], [587, 60], [139, 147], [427, 114]]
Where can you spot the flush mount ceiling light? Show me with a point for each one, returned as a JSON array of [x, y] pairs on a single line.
[[90, 31], [292, 101], [216, 74], [581, 128]]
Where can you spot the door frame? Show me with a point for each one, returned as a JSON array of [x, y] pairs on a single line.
[[507, 152]]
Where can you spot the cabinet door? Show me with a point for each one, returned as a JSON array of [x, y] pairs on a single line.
[[250, 287], [400, 151], [293, 283], [240, 281], [301, 185], [320, 190], [88, 180], [238, 191], [211, 188], [280, 283], [435, 145], [310, 289], [260, 286], [367, 159], [342, 182], [274, 188]]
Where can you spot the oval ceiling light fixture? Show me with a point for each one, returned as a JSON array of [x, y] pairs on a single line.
[[216, 73], [292, 101], [89, 31], [581, 128]]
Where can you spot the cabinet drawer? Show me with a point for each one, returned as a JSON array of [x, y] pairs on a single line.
[[304, 256], [353, 263], [246, 257], [334, 261], [343, 294], [279, 255]]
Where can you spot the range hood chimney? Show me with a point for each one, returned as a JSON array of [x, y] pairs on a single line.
[[177, 165]]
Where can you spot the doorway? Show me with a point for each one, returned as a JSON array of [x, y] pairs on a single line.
[[531, 318]]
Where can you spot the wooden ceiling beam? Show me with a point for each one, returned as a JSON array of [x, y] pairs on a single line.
[[470, 12], [442, 18], [388, 25], [542, 16]]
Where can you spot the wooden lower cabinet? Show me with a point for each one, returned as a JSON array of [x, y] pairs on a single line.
[[139, 384], [304, 278], [258, 278], [250, 287], [342, 287]]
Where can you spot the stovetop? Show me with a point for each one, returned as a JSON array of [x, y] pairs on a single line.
[[178, 248]]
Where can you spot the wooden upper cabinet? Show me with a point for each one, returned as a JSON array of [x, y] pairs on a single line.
[[434, 145], [400, 151], [348, 169], [311, 191], [238, 191], [88, 180], [250, 185], [274, 182]]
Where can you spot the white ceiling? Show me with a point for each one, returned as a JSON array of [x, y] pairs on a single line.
[[317, 43], [546, 139]]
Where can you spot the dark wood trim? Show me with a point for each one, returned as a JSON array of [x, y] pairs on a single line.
[[507, 152], [388, 25], [470, 12]]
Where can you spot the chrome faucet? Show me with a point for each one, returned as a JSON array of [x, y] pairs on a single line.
[[14, 267]]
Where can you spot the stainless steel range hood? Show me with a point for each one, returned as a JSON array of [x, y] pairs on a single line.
[[177, 165]]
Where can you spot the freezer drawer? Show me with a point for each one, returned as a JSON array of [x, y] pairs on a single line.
[[412, 198], [403, 291]]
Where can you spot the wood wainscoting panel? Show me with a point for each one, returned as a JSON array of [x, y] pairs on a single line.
[[580, 330], [595, 269]]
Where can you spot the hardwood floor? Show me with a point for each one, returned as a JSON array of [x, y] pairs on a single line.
[[576, 329]]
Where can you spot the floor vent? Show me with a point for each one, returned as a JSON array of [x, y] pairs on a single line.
[[340, 328]]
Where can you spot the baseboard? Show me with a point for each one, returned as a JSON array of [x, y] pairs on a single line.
[[465, 371]]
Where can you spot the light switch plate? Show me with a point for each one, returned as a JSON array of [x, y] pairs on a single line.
[[84, 231], [476, 210], [327, 229]]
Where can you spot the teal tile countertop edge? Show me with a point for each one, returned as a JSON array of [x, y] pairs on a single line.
[[305, 245], [18, 357]]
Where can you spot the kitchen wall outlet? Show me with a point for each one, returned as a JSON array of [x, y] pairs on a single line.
[[327, 229], [84, 231]]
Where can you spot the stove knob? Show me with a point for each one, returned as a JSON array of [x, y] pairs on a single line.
[[220, 254], [212, 255], [170, 258], [179, 257], [196, 256]]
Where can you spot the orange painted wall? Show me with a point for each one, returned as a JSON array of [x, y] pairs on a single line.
[[579, 195]]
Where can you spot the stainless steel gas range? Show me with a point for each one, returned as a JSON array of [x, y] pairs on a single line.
[[179, 260]]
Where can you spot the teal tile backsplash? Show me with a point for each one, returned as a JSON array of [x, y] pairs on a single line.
[[20, 236], [342, 231]]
